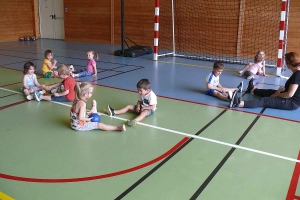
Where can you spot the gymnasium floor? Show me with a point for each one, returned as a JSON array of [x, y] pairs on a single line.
[[194, 147]]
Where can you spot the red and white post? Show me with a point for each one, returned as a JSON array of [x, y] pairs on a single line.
[[156, 29], [281, 36]]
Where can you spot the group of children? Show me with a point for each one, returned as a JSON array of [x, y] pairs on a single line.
[[69, 90], [250, 72], [79, 92]]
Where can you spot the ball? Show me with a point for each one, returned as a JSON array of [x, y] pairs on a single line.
[[95, 117]]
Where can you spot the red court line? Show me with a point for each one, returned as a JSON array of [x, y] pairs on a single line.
[[13, 104], [291, 195], [89, 178]]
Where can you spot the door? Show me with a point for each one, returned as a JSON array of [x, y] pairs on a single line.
[[52, 19]]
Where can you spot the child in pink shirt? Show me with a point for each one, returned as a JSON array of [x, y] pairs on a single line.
[[91, 68]]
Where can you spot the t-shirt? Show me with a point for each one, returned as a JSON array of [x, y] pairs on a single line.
[[30, 81], [294, 79], [69, 84], [212, 79], [45, 67], [148, 99], [90, 67], [255, 67]]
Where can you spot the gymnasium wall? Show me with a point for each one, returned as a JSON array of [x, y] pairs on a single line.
[[99, 21], [17, 19], [293, 41]]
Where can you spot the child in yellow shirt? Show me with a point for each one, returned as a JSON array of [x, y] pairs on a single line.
[[48, 66]]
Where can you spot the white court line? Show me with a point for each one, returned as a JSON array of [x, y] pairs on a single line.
[[191, 135]]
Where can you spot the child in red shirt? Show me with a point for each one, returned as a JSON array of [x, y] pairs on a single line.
[[67, 94]]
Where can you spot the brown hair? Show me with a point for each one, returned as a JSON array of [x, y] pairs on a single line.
[[47, 52], [94, 53], [143, 83], [218, 65], [63, 69], [27, 65], [81, 87], [292, 58]]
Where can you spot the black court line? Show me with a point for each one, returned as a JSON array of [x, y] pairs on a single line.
[[167, 159], [7, 96], [68, 57], [116, 74], [219, 166]]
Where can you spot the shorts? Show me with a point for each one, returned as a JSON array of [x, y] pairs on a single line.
[[149, 112], [48, 74], [210, 92], [59, 99], [248, 74], [31, 86]]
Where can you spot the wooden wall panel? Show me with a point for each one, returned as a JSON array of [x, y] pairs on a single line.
[[17, 19], [88, 21], [139, 21], [293, 41]]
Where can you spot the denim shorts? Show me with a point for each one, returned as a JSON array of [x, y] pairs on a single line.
[[149, 112], [59, 99]]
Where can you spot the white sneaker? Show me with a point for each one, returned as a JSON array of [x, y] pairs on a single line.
[[37, 96], [229, 93], [29, 97], [240, 72]]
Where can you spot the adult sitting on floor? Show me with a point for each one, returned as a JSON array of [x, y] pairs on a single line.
[[285, 98]]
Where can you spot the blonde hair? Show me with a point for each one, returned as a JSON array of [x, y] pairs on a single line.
[[82, 87], [258, 57], [63, 69], [94, 53]]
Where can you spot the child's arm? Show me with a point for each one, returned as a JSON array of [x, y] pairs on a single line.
[[24, 83], [151, 107], [95, 69], [138, 106], [219, 87], [64, 93], [289, 94], [52, 65], [50, 87], [38, 84], [82, 109], [264, 68]]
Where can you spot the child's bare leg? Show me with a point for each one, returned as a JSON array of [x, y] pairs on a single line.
[[26, 92], [221, 96], [141, 116], [47, 98], [230, 89], [106, 127], [123, 110], [94, 107]]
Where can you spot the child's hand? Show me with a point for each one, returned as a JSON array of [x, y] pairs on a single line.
[[94, 74], [56, 94], [89, 119], [54, 62], [265, 75], [137, 109], [43, 87]]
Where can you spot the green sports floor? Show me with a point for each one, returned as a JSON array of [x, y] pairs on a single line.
[[189, 149]]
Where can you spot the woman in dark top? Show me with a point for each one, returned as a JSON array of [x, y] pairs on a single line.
[[285, 98]]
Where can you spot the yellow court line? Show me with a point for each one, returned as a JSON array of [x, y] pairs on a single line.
[[5, 196]]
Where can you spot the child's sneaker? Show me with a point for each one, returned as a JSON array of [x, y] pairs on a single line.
[[54, 90], [29, 97], [123, 128], [131, 122], [37, 96], [229, 95], [240, 87], [110, 110], [235, 101], [241, 72], [250, 86]]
